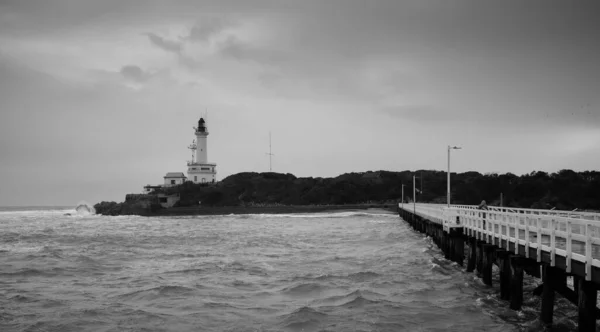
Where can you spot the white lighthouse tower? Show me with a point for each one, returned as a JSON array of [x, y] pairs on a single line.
[[199, 169]]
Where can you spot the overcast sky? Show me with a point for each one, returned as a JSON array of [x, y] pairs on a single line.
[[98, 98]]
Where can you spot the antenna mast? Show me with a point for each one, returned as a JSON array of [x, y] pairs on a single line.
[[193, 147], [270, 154]]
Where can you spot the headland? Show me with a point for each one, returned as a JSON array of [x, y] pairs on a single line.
[[249, 192]]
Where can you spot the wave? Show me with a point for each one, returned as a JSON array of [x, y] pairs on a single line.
[[194, 271], [89, 265], [357, 298], [21, 298], [358, 302], [156, 293], [243, 285], [240, 267], [28, 212], [363, 276], [309, 215], [303, 319], [46, 251], [356, 277], [83, 209], [219, 305], [33, 208], [304, 289], [27, 273], [10, 237], [330, 215]]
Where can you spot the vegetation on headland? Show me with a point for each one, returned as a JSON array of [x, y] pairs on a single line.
[[564, 190]]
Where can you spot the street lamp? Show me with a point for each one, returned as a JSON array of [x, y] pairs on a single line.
[[450, 148], [414, 196], [403, 195]]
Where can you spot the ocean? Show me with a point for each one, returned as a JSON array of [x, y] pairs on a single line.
[[340, 271]]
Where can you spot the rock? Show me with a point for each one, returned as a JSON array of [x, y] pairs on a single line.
[[108, 208]]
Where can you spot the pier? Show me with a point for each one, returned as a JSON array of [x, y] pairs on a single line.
[[548, 244]]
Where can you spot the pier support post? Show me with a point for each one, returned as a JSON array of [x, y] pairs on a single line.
[[450, 248], [479, 262], [488, 262], [587, 305], [472, 258], [548, 277], [446, 245], [504, 264], [458, 245], [576, 280], [516, 282]]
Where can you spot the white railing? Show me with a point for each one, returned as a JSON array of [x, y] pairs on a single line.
[[571, 234], [561, 213], [432, 212]]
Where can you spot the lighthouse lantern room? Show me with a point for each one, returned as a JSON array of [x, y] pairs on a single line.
[[199, 169]]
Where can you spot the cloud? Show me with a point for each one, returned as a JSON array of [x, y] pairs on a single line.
[[206, 28], [485, 76], [420, 114], [237, 49], [165, 44], [135, 73]]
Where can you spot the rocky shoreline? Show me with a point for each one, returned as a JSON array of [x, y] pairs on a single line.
[[143, 207], [225, 210]]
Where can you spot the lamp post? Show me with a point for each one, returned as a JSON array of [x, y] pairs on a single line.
[[403, 195], [414, 196], [450, 148]]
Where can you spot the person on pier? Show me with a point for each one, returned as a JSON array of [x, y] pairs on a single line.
[[483, 206]]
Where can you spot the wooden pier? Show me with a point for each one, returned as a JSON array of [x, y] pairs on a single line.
[[547, 244]]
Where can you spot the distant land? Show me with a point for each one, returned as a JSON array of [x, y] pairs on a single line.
[[563, 190]]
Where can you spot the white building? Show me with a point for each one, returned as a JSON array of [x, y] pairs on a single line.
[[199, 169], [174, 178]]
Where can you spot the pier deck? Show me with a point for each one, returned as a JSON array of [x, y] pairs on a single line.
[[548, 244]]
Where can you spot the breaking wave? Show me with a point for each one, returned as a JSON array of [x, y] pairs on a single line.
[[348, 214], [83, 209]]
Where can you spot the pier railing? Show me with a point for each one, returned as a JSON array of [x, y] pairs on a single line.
[[573, 235]]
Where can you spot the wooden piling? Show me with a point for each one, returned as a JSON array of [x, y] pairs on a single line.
[[504, 265], [587, 305], [472, 258], [446, 245], [450, 246], [459, 245], [479, 262], [516, 282], [576, 280], [488, 262], [548, 277]]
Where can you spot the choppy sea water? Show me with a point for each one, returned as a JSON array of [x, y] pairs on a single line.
[[342, 271]]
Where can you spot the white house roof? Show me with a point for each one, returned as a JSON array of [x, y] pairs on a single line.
[[174, 175]]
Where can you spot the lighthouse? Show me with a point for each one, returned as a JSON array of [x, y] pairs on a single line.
[[199, 169]]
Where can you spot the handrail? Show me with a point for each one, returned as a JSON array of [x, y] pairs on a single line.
[[570, 234], [572, 214]]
